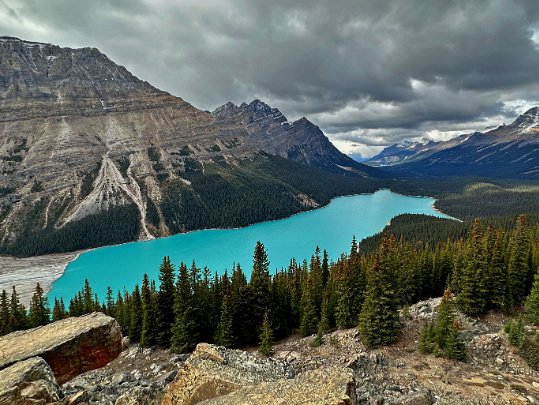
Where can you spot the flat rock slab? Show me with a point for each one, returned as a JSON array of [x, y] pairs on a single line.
[[28, 382], [215, 375], [328, 385], [70, 346]]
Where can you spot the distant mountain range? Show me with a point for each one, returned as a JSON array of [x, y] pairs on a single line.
[[92, 155], [509, 151]]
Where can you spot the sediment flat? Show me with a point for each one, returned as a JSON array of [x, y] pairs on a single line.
[[24, 273]]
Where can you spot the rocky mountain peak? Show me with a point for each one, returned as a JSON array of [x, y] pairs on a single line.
[[255, 108], [528, 120]]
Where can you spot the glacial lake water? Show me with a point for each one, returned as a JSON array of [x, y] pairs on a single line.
[[331, 227]]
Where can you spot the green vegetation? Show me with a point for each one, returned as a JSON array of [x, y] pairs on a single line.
[[360, 289], [440, 336], [116, 225]]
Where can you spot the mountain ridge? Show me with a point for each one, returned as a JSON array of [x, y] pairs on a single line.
[[508, 151], [83, 141]]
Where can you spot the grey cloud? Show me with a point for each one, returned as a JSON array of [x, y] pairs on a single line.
[[352, 66]]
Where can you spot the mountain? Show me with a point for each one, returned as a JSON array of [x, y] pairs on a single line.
[[509, 151], [397, 153], [92, 155]]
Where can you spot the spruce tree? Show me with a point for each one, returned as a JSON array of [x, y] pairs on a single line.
[[379, 322], [185, 330], [323, 325], [531, 308], [266, 337], [472, 298], [518, 266], [260, 283], [18, 319], [343, 315], [88, 301], [309, 314], [135, 321], [454, 347], [165, 303], [225, 333], [39, 309], [109, 302], [444, 319], [148, 333], [4, 314], [58, 310], [427, 338]]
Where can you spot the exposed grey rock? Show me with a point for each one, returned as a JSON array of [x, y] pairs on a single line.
[[30, 382]]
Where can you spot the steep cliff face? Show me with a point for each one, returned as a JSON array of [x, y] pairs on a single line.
[[83, 140]]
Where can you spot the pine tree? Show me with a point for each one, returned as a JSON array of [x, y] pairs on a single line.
[[39, 310], [266, 337], [135, 321], [225, 333], [531, 308], [165, 303], [379, 322]]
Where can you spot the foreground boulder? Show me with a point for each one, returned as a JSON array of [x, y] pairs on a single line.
[[222, 376], [70, 346], [28, 382]]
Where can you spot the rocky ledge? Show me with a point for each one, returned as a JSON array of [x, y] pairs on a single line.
[[70, 346], [215, 375]]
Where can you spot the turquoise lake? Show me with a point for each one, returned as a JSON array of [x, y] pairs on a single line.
[[331, 227]]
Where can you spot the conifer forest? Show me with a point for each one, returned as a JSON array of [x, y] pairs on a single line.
[[488, 269]]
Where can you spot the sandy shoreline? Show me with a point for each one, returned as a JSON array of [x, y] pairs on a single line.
[[24, 273]]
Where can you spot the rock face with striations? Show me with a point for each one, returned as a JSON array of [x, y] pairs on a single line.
[[79, 134], [215, 375], [28, 382], [70, 346]]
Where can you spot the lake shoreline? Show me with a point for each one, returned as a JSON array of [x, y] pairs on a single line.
[[26, 272]]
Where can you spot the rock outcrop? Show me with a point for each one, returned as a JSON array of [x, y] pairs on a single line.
[[28, 382], [215, 375], [70, 346]]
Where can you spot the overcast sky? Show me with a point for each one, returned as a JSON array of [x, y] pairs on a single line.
[[368, 72]]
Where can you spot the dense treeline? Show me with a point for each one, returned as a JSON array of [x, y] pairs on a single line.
[[113, 226], [262, 189], [490, 268], [429, 230]]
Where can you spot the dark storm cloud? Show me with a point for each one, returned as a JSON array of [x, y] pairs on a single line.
[[358, 68]]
